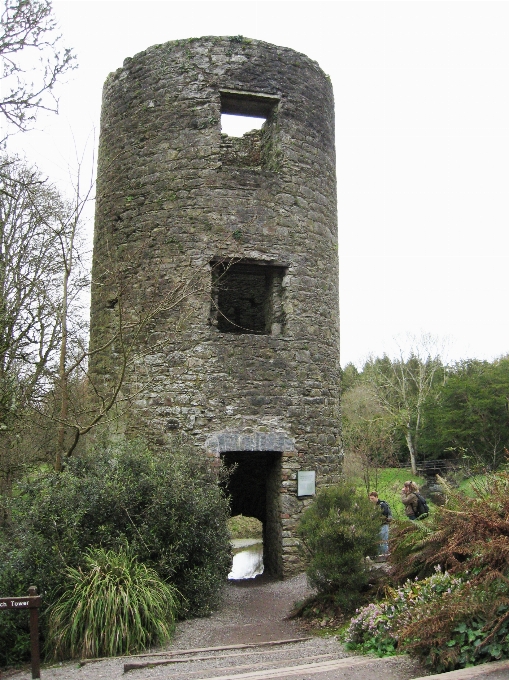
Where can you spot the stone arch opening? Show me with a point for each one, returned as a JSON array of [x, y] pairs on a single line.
[[254, 488], [260, 487]]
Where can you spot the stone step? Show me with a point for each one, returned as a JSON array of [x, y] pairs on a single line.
[[213, 663], [296, 660], [332, 666]]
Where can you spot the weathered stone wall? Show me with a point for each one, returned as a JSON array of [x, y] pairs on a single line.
[[176, 200]]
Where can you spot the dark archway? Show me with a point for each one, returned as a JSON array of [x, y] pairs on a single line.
[[254, 487]]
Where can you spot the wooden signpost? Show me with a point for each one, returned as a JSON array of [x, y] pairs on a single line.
[[32, 602]]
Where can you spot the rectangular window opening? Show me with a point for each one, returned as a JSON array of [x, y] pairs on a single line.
[[248, 125], [247, 298], [248, 103]]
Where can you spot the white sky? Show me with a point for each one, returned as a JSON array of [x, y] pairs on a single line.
[[422, 143]]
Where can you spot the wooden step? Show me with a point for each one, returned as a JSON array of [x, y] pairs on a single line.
[[484, 670]]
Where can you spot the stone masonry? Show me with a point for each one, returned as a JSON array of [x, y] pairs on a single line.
[[240, 234]]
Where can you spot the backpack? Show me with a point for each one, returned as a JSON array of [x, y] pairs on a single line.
[[421, 508], [386, 510]]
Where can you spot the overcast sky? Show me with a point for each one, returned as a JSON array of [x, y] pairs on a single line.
[[422, 143]]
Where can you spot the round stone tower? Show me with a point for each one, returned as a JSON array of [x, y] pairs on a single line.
[[217, 259]]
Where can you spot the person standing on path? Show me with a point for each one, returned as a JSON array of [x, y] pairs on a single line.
[[386, 519], [409, 499]]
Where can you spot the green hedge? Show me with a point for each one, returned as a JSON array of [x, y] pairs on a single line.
[[166, 508], [338, 531]]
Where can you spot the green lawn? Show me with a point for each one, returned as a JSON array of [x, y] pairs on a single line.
[[475, 483]]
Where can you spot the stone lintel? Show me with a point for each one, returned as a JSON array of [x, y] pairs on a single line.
[[222, 442]]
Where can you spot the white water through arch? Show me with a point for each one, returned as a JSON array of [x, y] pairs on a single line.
[[247, 558]]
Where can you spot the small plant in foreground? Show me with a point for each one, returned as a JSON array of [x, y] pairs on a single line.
[[114, 606], [376, 628], [468, 627], [472, 644]]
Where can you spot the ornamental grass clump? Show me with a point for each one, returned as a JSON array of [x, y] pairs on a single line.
[[114, 605]]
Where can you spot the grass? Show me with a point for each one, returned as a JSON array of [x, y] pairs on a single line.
[[114, 606], [472, 486]]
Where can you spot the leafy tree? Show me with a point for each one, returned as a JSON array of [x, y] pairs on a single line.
[[471, 416], [350, 376], [368, 434], [32, 61]]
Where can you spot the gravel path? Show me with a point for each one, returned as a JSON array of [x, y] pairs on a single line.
[[254, 612]]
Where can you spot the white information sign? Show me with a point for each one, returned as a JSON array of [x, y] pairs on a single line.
[[306, 483]]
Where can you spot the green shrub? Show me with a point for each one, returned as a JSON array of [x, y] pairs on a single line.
[[338, 531], [245, 527], [168, 508], [114, 605]]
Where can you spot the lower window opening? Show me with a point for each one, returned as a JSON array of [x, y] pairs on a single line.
[[247, 298]]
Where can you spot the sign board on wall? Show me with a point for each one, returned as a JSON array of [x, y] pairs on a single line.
[[306, 483]]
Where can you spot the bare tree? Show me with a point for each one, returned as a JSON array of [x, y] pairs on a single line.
[[75, 278], [91, 397], [44, 357], [402, 386], [368, 434], [29, 290], [32, 61]]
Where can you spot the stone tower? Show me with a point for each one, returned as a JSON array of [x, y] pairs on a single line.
[[245, 364]]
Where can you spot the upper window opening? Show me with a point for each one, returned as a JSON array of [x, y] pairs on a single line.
[[235, 125], [248, 126]]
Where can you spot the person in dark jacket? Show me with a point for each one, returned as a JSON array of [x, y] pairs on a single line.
[[386, 518]]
